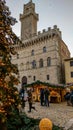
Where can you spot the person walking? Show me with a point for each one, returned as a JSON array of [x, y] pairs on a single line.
[[30, 100]]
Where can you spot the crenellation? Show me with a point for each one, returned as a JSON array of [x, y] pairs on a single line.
[[49, 28], [40, 37], [58, 29], [50, 31], [21, 16], [39, 32], [44, 30], [55, 26]]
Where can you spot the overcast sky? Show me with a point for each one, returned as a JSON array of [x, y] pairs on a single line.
[[51, 12]]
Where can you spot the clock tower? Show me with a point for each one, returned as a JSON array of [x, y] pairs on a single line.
[[28, 20]]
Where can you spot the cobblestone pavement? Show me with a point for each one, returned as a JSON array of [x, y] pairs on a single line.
[[59, 114]]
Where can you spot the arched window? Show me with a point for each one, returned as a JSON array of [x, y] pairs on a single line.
[[24, 80], [33, 64], [48, 61], [32, 52], [44, 49], [41, 63]]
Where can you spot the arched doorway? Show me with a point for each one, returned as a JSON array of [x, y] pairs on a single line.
[[24, 80]]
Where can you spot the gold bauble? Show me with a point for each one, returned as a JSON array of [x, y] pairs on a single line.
[[45, 124]]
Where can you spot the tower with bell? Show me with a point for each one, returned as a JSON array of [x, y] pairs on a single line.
[[28, 20]]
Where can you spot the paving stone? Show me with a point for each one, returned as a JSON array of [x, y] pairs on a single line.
[[58, 113], [69, 125]]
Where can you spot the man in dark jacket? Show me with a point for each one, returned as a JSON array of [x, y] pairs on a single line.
[[46, 96], [42, 96]]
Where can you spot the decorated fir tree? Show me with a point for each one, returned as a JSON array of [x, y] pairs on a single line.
[[9, 96]]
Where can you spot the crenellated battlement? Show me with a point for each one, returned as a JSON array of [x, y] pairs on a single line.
[[41, 36], [50, 31]]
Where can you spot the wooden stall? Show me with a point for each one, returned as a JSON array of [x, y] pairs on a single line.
[[56, 92]]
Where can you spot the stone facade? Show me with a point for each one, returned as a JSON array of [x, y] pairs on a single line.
[[69, 71], [41, 54]]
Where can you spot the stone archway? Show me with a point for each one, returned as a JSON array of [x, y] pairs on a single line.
[[24, 80]]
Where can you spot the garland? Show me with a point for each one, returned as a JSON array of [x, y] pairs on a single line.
[[61, 86]]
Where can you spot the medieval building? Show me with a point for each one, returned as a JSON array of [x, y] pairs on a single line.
[[41, 54], [69, 71]]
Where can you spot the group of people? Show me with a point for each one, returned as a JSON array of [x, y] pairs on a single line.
[[44, 97], [24, 96], [69, 97]]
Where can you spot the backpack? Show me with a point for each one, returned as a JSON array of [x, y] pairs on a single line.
[[67, 96]]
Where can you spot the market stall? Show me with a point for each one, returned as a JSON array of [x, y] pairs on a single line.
[[57, 92]]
